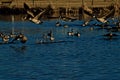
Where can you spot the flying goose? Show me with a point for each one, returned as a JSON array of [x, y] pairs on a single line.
[[103, 19], [31, 15]]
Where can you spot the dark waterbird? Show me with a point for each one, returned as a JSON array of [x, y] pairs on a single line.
[[73, 33], [20, 37], [34, 16], [110, 36]]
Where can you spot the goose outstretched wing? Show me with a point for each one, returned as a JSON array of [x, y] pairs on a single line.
[[87, 10], [42, 12], [26, 7], [39, 15]]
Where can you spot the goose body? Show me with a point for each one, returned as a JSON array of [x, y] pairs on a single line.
[[101, 20], [58, 24], [36, 21]]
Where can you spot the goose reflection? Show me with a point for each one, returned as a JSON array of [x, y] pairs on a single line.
[[19, 49]]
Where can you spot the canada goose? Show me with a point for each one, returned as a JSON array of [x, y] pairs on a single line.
[[34, 18], [77, 34], [58, 24], [65, 26], [110, 34], [103, 19], [23, 39], [71, 33], [20, 37], [50, 36], [70, 19], [5, 38], [85, 23]]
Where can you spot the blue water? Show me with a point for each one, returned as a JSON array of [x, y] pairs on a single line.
[[88, 57]]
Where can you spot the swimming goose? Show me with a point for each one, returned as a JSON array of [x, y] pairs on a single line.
[[20, 37], [71, 33], [110, 35], [77, 34], [65, 26], [50, 35], [58, 24], [5, 38], [85, 23]]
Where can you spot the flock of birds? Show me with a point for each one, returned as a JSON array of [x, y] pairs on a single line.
[[11, 38], [35, 18]]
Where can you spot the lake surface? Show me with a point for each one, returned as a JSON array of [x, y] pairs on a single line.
[[88, 57]]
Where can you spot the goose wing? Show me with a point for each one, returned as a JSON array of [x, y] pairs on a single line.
[[111, 13], [30, 13], [42, 12], [106, 15], [39, 15], [87, 10], [26, 7]]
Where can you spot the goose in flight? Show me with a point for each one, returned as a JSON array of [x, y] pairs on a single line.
[[103, 17], [31, 15], [106, 15]]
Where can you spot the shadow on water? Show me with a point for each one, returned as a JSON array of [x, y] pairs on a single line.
[[110, 39], [19, 49], [107, 38]]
